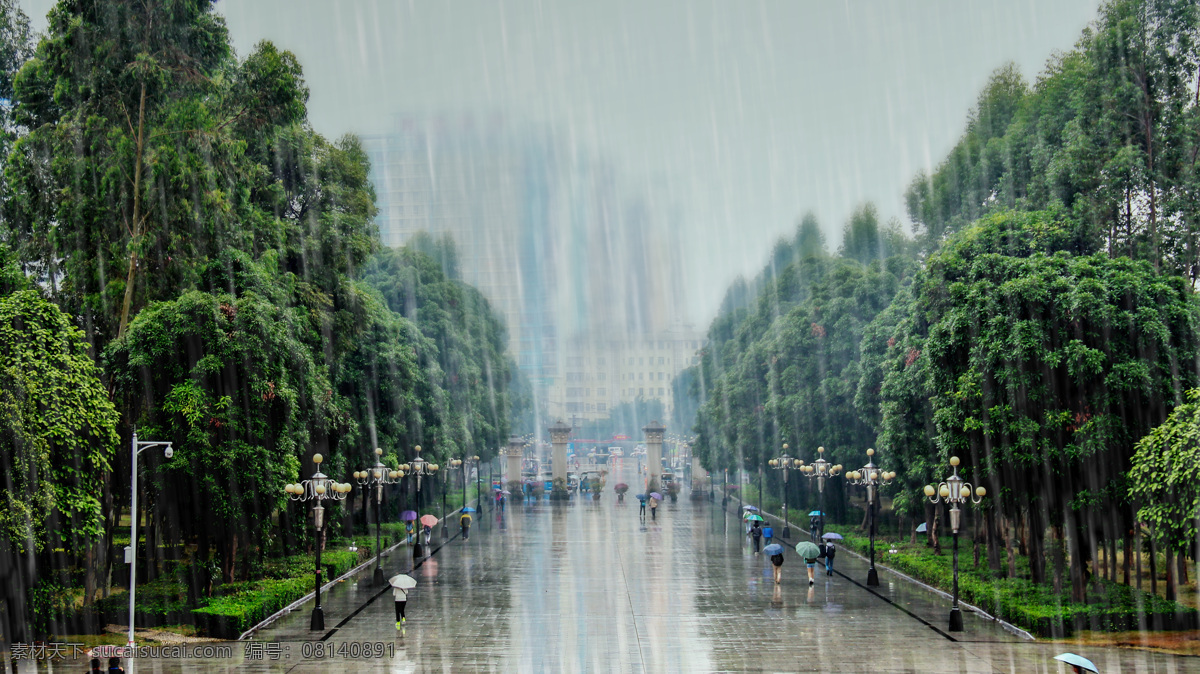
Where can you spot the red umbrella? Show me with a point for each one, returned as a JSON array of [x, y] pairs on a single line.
[[428, 520]]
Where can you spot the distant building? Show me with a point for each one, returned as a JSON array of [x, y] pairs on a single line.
[[549, 236]]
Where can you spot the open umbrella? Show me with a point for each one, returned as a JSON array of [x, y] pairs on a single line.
[[773, 549], [1077, 661], [922, 527], [750, 508], [468, 509], [506, 492], [402, 581], [808, 549], [428, 520], [641, 497], [754, 518], [621, 485], [832, 536], [816, 513], [656, 496], [408, 516]]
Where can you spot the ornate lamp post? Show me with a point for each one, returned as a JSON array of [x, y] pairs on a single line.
[[821, 470], [318, 488], [956, 492], [131, 552], [378, 476], [871, 477], [785, 463], [475, 464], [455, 464], [418, 468]]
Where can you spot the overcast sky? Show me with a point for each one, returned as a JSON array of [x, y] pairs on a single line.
[[750, 113]]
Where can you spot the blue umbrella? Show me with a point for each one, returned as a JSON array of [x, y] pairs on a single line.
[[468, 509], [1077, 661], [832, 536], [921, 528], [773, 549], [816, 513], [641, 497], [750, 508]]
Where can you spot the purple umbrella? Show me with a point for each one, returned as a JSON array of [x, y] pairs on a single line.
[[408, 516], [655, 495]]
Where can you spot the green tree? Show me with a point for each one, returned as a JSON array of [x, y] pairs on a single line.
[[57, 441], [1165, 481]]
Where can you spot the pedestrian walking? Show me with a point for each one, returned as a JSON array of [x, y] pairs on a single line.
[[114, 666], [642, 506], [401, 584], [756, 533], [829, 553], [465, 523], [768, 534], [428, 534], [95, 667], [409, 531], [654, 509], [811, 563], [777, 564]]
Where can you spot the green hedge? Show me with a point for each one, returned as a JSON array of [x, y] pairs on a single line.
[[1031, 606]]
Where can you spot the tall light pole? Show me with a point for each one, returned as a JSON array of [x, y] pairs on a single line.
[[871, 477], [378, 476], [453, 465], [785, 463], [821, 470], [131, 552], [318, 488], [956, 492], [418, 468]]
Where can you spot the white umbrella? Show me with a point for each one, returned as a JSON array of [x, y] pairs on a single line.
[[402, 581]]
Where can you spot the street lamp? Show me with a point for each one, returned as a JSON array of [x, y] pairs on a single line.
[[454, 464], [378, 476], [318, 488], [475, 463], [956, 492], [871, 477], [131, 552], [821, 470], [785, 463], [418, 468]]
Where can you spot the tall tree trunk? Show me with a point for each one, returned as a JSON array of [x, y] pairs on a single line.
[[136, 225], [1170, 558], [1137, 545], [1036, 530], [993, 548], [1153, 566], [1010, 543], [1127, 551]]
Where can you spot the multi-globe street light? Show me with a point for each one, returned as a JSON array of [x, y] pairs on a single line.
[[474, 460], [956, 492], [452, 465], [131, 551], [821, 470], [785, 463], [872, 478], [318, 488], [418, 468], [378, 476]]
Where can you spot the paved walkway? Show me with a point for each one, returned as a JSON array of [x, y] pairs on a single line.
[[588, 586]]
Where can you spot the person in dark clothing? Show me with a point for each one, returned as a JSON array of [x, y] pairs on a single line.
[[96, 667], [777, 564], [756, 533], [829, 554], [114, 666], [642, 507], [654, 509], [400, 596], [465, 523]]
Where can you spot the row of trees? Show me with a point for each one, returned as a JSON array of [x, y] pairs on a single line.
[[1039, 326], [184, 254]]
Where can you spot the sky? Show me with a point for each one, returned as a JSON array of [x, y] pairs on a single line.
[[745, 114]]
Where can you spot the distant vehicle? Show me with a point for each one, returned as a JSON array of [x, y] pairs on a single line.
[[667, 478], [616, 451]]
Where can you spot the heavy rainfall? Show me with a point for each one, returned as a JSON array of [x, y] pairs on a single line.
[[608, 336]]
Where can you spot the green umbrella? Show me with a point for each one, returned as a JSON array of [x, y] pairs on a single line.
[[754, 518], [808, 549]]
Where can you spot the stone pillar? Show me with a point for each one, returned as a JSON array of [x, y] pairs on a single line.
[[560, 434], [654, 437], [516, 452]]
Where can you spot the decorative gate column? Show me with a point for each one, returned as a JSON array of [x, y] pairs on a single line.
[[654, 437], [560, 434]]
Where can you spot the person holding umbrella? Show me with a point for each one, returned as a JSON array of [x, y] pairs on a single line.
[[775, 550], [829, 551], [809, 551], [654, 499], [641, 505], [465, 522], [427, 523], [756, 533], [401, 584]]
